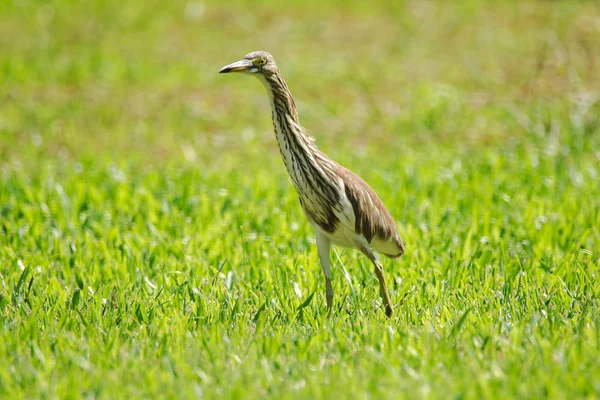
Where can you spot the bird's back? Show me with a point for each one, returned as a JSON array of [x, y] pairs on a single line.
[[372, 220]]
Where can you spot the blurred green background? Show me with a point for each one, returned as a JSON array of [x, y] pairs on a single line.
[[96, 78], [151, 243]]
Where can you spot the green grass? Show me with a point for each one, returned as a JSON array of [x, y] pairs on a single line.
[[152, 245]]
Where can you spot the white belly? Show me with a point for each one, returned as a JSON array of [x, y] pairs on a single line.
[[342, 236]]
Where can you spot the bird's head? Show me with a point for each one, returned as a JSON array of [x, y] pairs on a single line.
[[257, 62]]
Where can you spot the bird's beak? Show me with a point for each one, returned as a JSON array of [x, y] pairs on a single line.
[[239, 66]]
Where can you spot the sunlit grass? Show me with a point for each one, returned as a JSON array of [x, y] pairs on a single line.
[[151, 244]]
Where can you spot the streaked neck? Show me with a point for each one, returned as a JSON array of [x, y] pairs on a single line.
[[290, 134], [306, 165], [280, 96]]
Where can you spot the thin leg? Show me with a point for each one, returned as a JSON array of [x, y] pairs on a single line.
[[323, 246], [389, 309]]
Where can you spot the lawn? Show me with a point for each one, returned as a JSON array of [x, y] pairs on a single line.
[[152, 244]]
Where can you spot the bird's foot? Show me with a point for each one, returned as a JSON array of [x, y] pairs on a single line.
[[388, 310], [329, 298]]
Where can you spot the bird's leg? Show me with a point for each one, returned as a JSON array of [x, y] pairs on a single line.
[[323, 246], [389, 309]]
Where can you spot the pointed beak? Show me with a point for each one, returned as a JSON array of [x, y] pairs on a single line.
[[238, 66]]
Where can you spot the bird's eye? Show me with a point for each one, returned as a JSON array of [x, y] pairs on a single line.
[[261, 62]]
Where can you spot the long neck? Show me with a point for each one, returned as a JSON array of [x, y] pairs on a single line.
[[310, 170], [281, 98]]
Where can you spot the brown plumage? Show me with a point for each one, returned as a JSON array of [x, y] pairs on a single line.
[[373, 220], [344, 210]]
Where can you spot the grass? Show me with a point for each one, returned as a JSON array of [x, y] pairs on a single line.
[[152, 245]]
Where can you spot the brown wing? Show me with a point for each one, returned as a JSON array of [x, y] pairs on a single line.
[[372, 219]]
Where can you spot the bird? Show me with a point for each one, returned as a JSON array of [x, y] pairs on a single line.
[[340, 205]]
